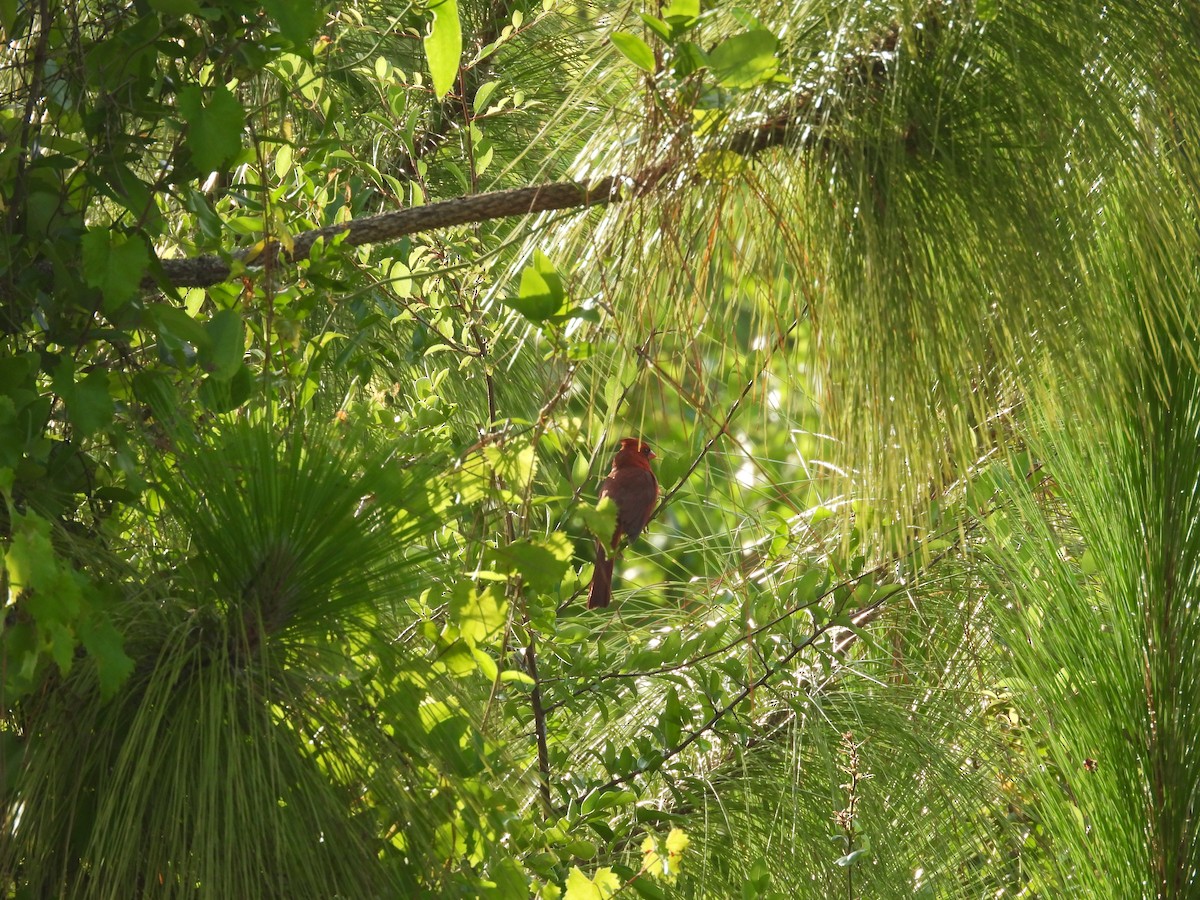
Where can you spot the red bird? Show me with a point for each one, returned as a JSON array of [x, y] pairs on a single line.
[[634, 490]]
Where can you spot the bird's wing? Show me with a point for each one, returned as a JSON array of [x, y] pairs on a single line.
[[634, 491]]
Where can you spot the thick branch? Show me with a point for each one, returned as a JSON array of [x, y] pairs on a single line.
[[207, 270]]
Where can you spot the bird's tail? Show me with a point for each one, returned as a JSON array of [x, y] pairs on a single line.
[[600, 593]]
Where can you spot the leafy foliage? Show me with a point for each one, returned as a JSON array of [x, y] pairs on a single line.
[[901, 293]]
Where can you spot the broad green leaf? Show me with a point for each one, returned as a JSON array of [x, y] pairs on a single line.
[[681, 11], [689, 58], [89, 406], [298, 20], [651, 890], [214, 129], [634, 49], [601, 520], [173, 323], [443, 46], [103, 642], [115, 264], [222, 395], [30, 559], [746, 59], [8, 17], [283, 161], [658, 26], [511, 882], [516, 675], [514, 463], [541, 562], [450, 841], [480, 614], [59, 641], [850, 858], [15, 372], [483, 95], [600, 800], [541, 294], [603, 885], [458, 658], [222, 358]]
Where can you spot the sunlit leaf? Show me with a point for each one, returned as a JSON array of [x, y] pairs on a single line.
[[443, 45], [746, 59], [634, 49]]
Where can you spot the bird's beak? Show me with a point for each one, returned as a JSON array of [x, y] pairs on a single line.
[[651, 455]]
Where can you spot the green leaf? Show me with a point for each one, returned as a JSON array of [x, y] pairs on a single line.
[[670, 722], [689, 58], [90, 407], [283, 161], [483, 95], [850, 858], [541, 294], [634, 49], [174, 324], [443, 46], [540, 562], [298, 20], [746, 59], [511, 675], [224, 395], [214, 130], [30, 558], [605, 884], [115, 264], [682, 11], [606, 798], [987, 10], [722, 165], [458, 659], [8, 18], [600, 520], [479, 614], [88, 404], [658, 26], [651, 890], [15, 372], [226, 344], [104, 643]]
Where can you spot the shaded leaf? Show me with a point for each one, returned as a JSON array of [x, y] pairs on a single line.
[[222, 358], [115, 264], [214, 129]]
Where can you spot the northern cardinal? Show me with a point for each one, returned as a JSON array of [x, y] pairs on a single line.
[[634, 490]]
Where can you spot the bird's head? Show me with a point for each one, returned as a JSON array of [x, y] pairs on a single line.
[[632, 448]]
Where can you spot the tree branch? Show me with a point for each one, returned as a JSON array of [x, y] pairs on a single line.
[[777, 130], [386, 227]]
